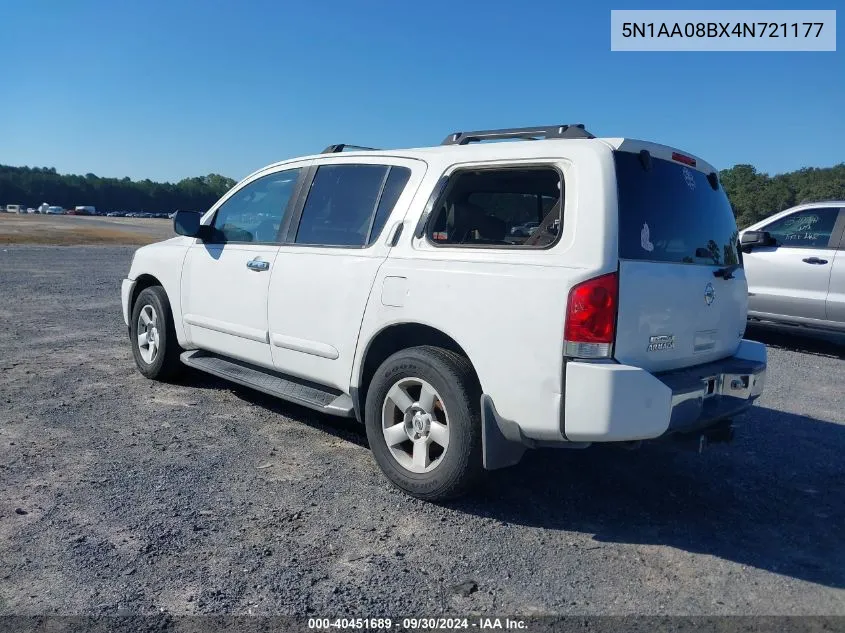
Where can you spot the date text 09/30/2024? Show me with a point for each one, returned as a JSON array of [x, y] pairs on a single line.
[[416, 624]]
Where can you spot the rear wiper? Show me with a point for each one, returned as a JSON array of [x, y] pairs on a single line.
[[727, 272]]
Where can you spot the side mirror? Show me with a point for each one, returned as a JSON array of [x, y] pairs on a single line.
[[756, 239], [188, 223]]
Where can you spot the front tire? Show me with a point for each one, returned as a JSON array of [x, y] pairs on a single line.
[[153, 336], [423, 422]]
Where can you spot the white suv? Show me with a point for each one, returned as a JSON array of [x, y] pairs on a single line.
[[388, 286]]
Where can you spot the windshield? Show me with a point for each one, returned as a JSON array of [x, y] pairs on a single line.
[[671, 213]]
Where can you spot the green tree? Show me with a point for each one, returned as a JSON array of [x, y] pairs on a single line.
[[33, 185]]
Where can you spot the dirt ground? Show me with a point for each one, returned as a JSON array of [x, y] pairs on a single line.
[[121, 495], [65, 230]]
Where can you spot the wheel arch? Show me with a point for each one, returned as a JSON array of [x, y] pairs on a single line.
[[141, 283], [388, 341]]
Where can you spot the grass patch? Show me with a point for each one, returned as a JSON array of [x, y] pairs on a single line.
[[77, 231], [77, 236]]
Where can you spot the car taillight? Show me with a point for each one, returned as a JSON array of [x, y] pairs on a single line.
[[591, 318]]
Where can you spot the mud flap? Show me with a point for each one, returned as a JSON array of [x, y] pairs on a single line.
[[501, 440]]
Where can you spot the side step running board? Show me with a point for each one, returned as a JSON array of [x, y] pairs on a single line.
[[303, 392]]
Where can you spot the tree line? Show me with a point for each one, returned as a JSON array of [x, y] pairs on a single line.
[[753, 195], [32, 186]]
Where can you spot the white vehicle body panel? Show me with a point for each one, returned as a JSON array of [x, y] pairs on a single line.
[[224, 303], [318, 294], [660, 299], [835, 305], [162, 262], [784, 287]]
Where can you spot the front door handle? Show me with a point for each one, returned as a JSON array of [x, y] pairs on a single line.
[[258, 265], [814, 260]]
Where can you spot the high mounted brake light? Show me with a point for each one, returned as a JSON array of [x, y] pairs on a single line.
[[590, 328], [686, 160]]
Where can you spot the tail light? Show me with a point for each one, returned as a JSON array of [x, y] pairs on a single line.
[[590, 328]]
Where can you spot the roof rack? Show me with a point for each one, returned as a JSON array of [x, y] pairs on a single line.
[[572, 130], [334, 149]]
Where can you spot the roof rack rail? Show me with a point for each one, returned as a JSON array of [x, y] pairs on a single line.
[[334, 149], [572, 130]]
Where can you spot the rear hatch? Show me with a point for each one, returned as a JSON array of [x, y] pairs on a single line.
[[682, 297]]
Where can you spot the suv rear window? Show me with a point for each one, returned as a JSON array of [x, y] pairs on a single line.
[[508, 207], [670, 213]]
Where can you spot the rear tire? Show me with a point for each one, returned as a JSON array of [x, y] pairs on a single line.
[[153, 335], [423, 422]]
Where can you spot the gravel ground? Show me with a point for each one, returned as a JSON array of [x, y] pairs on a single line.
[[120, 495]]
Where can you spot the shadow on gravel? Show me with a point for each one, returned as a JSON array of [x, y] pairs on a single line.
[[773, 500], [798, 340], [347, 429]]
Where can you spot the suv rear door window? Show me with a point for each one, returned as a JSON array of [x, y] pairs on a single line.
[[344, 205], [671, 213], [393, 188]]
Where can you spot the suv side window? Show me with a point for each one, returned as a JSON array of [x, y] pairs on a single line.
[[516, 207], [348, 205], [810, 228], [254, 213]]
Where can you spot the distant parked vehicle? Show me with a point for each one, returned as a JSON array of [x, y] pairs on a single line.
[[15, 208], [114, 214], [795, 267], [524, 230], [31, 210], [55, 211], [83, 210]]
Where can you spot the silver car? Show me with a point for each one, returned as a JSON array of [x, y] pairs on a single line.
[[795, 265]]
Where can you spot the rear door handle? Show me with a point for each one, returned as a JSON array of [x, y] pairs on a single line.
[[258, 265], [814, 260]]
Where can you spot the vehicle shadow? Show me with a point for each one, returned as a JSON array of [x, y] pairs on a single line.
[[774, 499], [798, 340], [345, 428]]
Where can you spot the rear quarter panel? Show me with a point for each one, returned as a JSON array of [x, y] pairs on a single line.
[[504, 307]]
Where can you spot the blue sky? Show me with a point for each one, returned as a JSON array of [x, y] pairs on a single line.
[[166, 89]]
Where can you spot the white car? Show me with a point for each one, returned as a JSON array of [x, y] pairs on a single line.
[[795, 263], [381, 285]]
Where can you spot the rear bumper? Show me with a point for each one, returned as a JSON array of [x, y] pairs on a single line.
[[709, 393], [608, 402]]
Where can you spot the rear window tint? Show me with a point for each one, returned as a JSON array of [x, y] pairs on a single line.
[[508, 207], [340, 205], [671, 213]]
